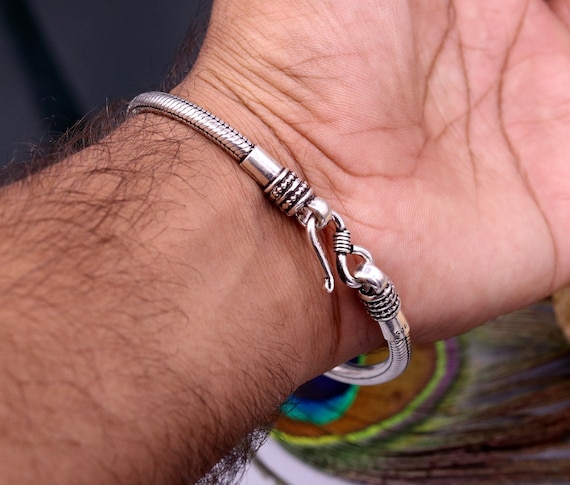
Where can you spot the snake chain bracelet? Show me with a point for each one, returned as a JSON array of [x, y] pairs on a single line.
[[295, 197]]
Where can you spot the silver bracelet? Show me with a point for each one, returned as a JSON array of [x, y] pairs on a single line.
[[295, 197]]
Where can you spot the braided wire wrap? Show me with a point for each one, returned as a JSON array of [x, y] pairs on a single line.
[[342, 243], [196, 117], [289, 192], [384, 306]]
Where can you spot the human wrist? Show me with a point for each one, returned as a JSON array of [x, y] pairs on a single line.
[[260, 101], [270, 273], [185, 285]]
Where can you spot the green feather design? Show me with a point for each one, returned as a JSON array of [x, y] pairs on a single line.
[[495, 408]]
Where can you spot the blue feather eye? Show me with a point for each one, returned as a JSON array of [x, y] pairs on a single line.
[[320, 401]]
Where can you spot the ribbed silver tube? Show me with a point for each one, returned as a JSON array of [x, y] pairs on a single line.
[[374, 374], [198, 118]]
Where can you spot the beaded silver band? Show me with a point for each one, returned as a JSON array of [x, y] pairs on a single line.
[[295, 197]]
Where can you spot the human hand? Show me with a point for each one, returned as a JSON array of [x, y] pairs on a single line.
[[437, 131]]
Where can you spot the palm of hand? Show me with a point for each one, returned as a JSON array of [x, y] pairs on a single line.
[[438, 132]]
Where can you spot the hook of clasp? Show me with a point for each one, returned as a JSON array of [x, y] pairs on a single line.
[[319, 251], [318, 216]]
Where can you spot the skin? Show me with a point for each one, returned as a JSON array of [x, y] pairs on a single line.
[[155, 309], [436, 129]]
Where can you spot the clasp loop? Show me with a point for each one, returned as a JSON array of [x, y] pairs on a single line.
[[342, 246]]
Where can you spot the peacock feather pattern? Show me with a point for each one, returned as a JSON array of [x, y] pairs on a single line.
[[491, 406]]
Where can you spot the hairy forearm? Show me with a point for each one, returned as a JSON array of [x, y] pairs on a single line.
[[154, 310]]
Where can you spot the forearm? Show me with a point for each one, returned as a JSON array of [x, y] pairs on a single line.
[[154, 310]]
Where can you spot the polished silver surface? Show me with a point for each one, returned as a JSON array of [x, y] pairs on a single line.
[[322, 211], [311, 226], [295, 197], [261, 167], [396, 333], [317, 214]]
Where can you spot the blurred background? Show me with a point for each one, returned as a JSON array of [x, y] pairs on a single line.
[[64, 59]]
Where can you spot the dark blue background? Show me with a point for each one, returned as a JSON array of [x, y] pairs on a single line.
[[62, 59]]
